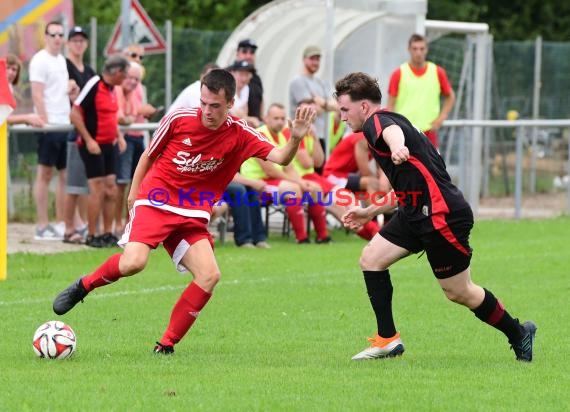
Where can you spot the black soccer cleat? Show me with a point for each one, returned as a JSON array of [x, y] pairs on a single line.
[[523, 347], [163, 349], [70, 297]]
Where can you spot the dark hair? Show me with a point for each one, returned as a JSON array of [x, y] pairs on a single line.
[[52, 23], [220, 79], [115, 63], [415, 37], [12, 60], [359, 86]]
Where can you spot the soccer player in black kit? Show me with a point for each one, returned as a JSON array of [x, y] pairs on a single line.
[[434, 218]]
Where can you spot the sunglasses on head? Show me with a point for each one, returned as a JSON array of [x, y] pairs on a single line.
[[136, 56], [55, 34]]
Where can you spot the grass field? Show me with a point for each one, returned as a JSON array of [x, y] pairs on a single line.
[[281, 328]]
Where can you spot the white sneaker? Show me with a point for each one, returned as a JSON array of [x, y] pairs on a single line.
[[59, 228], [382, 348], [47, 233]]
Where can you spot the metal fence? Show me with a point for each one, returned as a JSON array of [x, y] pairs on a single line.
[[537, 153]]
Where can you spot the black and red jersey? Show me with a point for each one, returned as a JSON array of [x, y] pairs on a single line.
[[98, 103], [423, 179]]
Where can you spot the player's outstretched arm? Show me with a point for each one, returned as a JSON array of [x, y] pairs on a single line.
[[304, 117]]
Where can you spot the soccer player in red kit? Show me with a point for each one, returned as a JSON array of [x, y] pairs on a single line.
[[193, 156]]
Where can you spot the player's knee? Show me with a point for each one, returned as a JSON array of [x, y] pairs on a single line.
[[129, 265], [368, 262], [459, 296], [208, 279]]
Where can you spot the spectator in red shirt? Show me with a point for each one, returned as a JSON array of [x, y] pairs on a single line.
[[94, 115]]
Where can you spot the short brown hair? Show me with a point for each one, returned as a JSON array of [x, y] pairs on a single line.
[[359, 86], [415, 37], [220, 79]]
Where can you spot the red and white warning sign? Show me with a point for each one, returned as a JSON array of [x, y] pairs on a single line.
[[142, 31]]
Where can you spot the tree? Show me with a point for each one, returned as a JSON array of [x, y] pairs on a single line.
[[509, 20], [197, 14]]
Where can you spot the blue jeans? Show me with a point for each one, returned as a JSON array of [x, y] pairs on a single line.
[[246, 212], [127, 161]]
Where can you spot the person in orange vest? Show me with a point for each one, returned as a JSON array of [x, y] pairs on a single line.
[[415, 90]]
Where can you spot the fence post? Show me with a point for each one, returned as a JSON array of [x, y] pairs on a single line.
[[518, 172], [535, 111], [168, 66]]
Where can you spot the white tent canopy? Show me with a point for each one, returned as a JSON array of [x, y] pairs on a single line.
[[355, 35]]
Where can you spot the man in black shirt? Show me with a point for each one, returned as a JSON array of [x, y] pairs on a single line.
[[432, 216], [75, 201]]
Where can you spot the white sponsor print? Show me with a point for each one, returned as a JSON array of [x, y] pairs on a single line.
[[188, 163], [187, 141]]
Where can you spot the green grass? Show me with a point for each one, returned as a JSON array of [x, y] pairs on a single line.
[[282, 325]]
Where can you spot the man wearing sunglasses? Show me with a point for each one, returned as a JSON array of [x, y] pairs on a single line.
[[51, 88]]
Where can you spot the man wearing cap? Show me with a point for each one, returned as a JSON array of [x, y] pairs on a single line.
[[242, 71], [307, 86], [246, 51], [75, 202]]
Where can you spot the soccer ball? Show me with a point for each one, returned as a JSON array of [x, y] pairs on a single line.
[[54, 340]]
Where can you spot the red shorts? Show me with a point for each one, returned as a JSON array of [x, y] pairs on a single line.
[[324, 183], [153, 225]]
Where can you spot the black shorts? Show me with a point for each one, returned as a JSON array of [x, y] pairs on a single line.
[[99, 165], [353, 182], [52, 149], [447, 247]]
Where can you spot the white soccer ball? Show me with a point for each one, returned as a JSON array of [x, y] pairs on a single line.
[[54, 340]]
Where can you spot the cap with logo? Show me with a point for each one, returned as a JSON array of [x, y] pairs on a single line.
[[77, 31], [242, 65], [247, 44]]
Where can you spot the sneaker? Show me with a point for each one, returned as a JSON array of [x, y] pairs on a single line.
[[47, 233], [94, 241], [59, 228], [163, 349], [247, 245], [326, 240], [382, 348], [304, 241], [263, 245], [70, 297], [108, 239], [523, 348]]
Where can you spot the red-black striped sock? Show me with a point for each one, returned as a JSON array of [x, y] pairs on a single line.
[[492, 311]]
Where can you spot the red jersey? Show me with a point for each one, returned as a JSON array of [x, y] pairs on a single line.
[[193, 164], [98, 103], [342, 161]]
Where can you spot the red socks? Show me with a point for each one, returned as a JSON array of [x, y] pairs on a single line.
[[369, 230], [184, 313], [318, 214], [297, 218], [107, 273]]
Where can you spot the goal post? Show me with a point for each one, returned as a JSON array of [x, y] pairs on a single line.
[[6, 106]]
